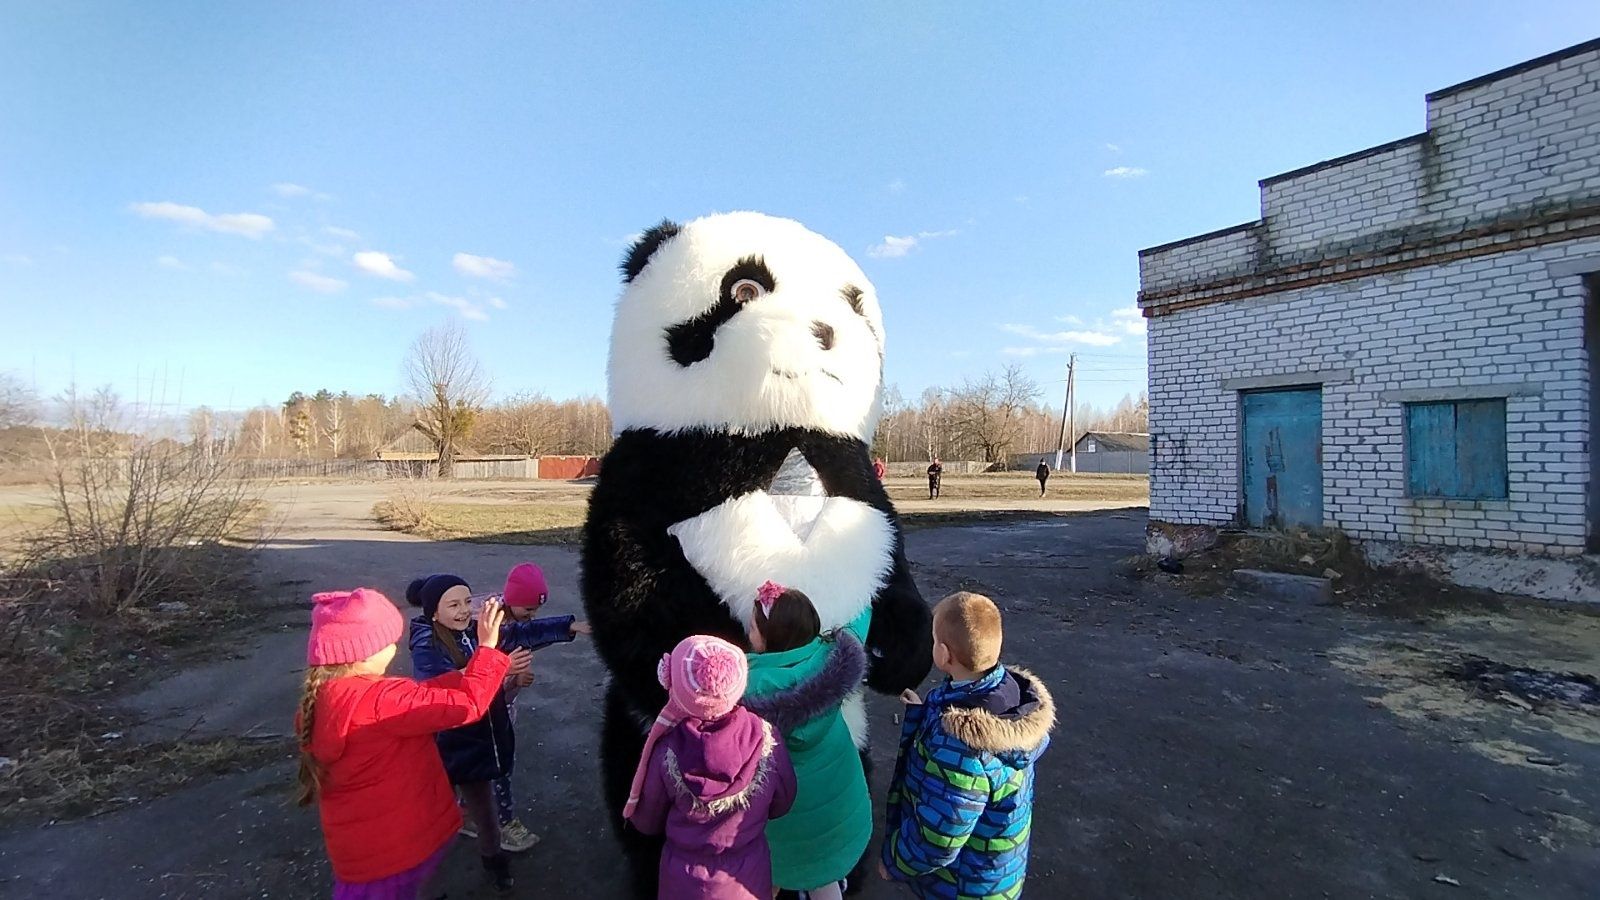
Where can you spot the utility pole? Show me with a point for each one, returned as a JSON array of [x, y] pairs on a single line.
[[1066, 415], [1072, 411]]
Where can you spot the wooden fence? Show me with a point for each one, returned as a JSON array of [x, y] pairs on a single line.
[[486, 468]]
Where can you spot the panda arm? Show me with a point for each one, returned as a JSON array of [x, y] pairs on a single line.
[[642, 597], [900, 640]]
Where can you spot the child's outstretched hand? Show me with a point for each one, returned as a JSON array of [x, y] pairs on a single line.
[[489, 623], [521, 662], [909, 697], [522, 680], [581, 628]]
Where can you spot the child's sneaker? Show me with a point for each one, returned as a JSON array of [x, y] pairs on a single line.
[[515, 837], [497, 869], [468, 829]]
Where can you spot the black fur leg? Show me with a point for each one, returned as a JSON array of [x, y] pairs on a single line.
[[621, 743]]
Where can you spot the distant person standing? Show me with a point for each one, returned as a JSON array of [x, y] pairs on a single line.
[[1043, 474], [879, 469], [935, 473]]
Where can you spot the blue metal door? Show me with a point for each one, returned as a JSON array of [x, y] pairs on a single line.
[[1283, 457]]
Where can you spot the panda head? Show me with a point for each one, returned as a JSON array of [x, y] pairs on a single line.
[[745, 323]]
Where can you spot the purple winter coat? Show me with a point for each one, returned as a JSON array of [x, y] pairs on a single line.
[[710, 788]]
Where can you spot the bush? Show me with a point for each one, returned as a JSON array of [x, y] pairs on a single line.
[[409, 503], [135, 520]]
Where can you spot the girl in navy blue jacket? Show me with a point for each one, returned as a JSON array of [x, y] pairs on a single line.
[[476, 755]]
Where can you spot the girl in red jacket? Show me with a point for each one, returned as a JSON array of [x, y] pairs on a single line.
[[367, 756]]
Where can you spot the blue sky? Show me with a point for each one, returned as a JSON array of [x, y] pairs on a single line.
[[227, 202]]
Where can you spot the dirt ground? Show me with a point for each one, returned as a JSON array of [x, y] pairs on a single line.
[[1210, 744]]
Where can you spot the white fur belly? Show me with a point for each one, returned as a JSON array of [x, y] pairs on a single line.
[[837, 550]]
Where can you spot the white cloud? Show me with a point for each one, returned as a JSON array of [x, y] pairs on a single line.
[[1069, 320], [1130, 319], [1126, 172], [250, 225], [18, 259], [894, 247], [381, 265], [341, 233], [173, 263], [897, 186], [483, 267], [288, 189], [322, 284], [1088, 338], [467, 308], [1112, 148]]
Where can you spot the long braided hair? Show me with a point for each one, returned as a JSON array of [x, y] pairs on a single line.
[[311, 771]]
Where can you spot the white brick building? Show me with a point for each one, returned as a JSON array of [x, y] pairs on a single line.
[[1401, 347]]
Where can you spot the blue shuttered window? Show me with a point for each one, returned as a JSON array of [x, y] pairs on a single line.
[[1456, 449]]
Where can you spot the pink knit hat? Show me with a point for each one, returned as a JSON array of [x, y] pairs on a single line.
[[525, 586], [705, 678], [349, 626]]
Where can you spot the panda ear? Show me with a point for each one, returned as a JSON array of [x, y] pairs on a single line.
[[639, 255]]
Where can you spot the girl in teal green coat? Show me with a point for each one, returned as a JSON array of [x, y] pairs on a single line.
[[799, 680]]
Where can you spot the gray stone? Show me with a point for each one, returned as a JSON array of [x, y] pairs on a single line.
[[1284, 586]]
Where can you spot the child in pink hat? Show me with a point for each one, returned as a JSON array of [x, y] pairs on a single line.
[[526, 591], [367, 754], [711, 776]]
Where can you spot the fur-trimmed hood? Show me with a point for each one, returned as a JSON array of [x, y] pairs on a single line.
[[1013, 716], [717, 766], [821, 692]]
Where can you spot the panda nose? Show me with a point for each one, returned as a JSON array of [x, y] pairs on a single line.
[[824, 333]]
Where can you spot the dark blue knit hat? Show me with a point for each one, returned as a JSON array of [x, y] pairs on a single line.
[[428, 590]]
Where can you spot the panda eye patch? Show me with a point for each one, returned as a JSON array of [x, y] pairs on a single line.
[[692, 341]]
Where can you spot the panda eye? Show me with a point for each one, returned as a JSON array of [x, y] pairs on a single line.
[[745, 290]]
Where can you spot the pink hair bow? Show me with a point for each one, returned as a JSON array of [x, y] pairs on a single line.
[[768, 594]]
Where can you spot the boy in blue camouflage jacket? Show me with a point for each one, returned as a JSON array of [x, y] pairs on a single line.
[[961, 803]]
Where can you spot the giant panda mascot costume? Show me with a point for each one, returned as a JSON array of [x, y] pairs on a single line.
[[745, 380]]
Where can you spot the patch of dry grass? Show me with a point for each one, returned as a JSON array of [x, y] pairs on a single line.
[[1022, 486], [490, 523], [97, 773], [63, 750]]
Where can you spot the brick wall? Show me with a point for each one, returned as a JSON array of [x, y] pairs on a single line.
[[1420, 269], [1370, 191], [1499, 322], [1518, 140]]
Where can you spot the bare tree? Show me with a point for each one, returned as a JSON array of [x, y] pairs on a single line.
[[332, 424], [18, 405], [449, 387], [135, 520], [987, 414], [892, 405]]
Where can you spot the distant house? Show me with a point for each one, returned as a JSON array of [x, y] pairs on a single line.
[[1106, 452], [1405, 345], [412, 444], [411, 451]]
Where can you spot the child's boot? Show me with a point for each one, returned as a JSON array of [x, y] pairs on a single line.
[[497, 869]]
